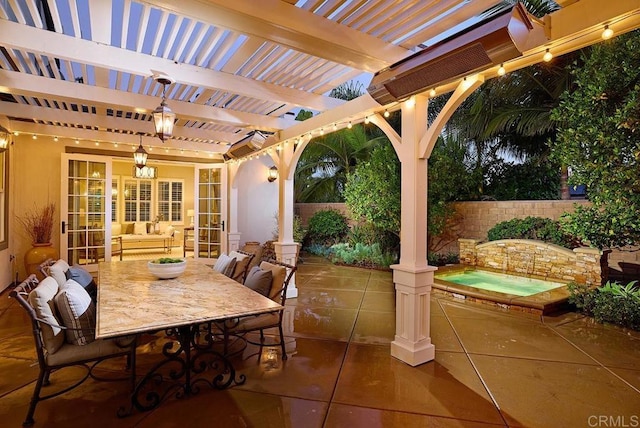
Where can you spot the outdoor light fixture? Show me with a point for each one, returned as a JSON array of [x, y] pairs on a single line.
[[273, 174], [607, 33], [146, 172], [140, 156], [163, 117], [4, 140], [547, 56]]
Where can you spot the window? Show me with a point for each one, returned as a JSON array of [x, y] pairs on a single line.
[[114, 199], [137, 200], [170, 200], [4, 200]]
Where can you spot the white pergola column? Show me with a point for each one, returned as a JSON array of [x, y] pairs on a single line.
[[413, 277], [233, 237], [286, 248]]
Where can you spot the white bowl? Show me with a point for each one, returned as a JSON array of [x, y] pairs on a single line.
[[167, 270]]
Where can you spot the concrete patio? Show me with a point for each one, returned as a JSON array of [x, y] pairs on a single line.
[[492, 367]]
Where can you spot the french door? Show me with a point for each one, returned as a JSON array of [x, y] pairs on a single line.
[[210, 237], [85, 210]]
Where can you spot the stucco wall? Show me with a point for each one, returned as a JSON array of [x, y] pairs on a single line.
[[257, 201]]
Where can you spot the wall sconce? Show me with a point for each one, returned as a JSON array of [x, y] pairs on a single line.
[[146, 172], [163, 117], [273, 174], [4, 140], [140, 156], [190, 214]]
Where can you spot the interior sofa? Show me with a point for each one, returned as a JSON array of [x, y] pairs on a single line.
[[141, 235]]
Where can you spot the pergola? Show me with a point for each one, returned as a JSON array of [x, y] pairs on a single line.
[[86, 70]]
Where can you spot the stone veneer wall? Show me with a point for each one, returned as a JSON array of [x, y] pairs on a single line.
[[529, 257]]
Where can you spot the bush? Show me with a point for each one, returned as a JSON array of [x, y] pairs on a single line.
[[327, 227], [361, 255], [613, 303], [543, 229], [318, 250], [442, 259]]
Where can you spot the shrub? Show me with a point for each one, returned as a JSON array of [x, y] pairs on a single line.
[[613, 303], [318, 250], [327, 227], [442, 259], [361, 255], [543, 229]]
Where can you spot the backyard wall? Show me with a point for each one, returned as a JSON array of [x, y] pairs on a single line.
[[478, 217]]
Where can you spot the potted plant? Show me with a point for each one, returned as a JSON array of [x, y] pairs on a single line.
[[38, 223]]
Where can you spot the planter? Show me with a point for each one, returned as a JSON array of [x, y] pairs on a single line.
[[38, 254]]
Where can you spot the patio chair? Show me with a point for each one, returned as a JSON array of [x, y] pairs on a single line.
[[53, 352], [243, 260], [281, 275]]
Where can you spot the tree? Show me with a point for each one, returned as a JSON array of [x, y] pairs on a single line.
[[599, 137]]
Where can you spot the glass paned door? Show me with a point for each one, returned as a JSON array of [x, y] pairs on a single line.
[[211, 211], [85, 210]]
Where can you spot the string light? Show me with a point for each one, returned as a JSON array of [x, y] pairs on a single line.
[[115, 144], [349, 125], [335, 126], [366, 120], [547, 56], [34, 136], [55, 139], [501, 70], [97, 143], [321, 131], [386, 113], [77, 142], [432, 92], [607, 33]]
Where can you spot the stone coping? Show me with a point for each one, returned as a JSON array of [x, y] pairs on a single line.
[[544, 303]]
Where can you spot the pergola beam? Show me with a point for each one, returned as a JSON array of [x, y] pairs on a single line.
[[30, 39], [294, 28], [42, 87], [104, 122]]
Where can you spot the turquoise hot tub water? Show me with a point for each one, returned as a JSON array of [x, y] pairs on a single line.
[[500, 282]]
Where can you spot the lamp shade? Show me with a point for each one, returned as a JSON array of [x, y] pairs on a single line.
[[146, 172], [273, 174], [163, 119], [140, 156]]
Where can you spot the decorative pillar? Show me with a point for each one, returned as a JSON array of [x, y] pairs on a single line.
[[286, 249], [413, 277]]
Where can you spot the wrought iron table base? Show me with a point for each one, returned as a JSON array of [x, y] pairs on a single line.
[[194, 363]]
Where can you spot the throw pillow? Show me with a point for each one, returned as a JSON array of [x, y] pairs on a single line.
[[77, 312], [58, 270], [83, 278], [259, 280], [241, 266], [41, 299], [128, 229], [139, 228], [116, 229], [279, 273], [225, 265]]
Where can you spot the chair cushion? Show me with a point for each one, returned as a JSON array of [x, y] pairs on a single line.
[[259, 280], [98, 348], [242, 262], [140, 228], [77, 311], [225, 265], [256, 322], [58, 272], [41, 299], [279, 273]]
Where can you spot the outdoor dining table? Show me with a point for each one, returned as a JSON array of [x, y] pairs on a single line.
[[132, 301]]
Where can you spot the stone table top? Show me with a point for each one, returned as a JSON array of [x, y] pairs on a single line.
[[131, 300]]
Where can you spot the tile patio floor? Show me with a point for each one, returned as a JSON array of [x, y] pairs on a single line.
[[492, 368]]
